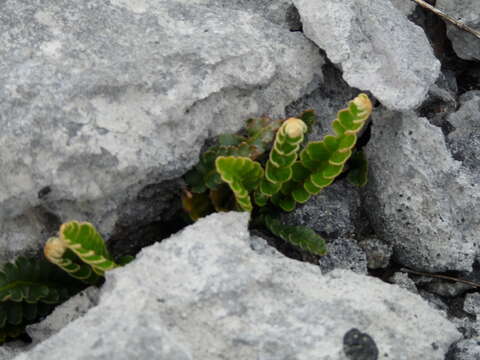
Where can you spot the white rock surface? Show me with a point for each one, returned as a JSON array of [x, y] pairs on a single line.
[[64, 314], [205, 294], [378, 48], [99, 99]]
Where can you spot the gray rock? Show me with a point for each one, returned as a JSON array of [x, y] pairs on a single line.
[[99, 101], [64, 314], [261, 246], [420, 199], [378, 48], [447, 288], [344, 254], [378, 253], [465, 350], [205, 294], [279, 12], [466, 45], [404, 281], [435, 302], [331, 95], [406, 7], [472, 304], [333, 213], [11, 349], [464, 140]]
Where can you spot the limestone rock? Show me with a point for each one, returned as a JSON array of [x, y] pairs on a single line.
[[377, 47], [378, 253], [344, 254], [333, 213], [418, 197], [464, 140], [466, 45], [63, 314], [100, 100], [205, 294]]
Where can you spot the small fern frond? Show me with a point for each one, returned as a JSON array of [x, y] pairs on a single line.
[[242, 175], [83, 239], [283, 155], [57, 252], [325, 159], [29, 289], [299, 236]]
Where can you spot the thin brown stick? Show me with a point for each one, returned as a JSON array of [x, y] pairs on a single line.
[[456, 22], [444, 277]]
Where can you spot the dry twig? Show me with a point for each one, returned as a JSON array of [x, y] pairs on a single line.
[[440, 13], [444, 277]]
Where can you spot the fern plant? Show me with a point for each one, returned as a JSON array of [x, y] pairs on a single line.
[[290, 174], [29, 290], [81, 252]]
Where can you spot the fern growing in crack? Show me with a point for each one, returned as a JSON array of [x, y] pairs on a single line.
[[81, 252], [291, 173], [29, 290]]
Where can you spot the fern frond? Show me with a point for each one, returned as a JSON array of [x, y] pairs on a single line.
[[325, 159], [83, 239], [57, 252], [283, 155], [299, 236], [242, 175], [29, 289]]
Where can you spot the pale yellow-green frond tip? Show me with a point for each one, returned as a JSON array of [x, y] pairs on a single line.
[[54, 248], [294, 127], [363, 104]]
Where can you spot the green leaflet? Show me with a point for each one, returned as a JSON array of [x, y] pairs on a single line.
[[242, 175], [300, 236], [283, 155], [29, 289]]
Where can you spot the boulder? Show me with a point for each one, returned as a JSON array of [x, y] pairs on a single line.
[[376, 46], [465, 44], [418, 197], [101, 100], [464, 139], [205, 294]]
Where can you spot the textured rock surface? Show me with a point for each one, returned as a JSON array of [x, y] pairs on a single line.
[[472, 304], [205, 294], [100, 99], [466, 45], [406, 7], [280, 12], [64, 314], [378, 253], [331, 95], [333, 213], [344, 254], [402, 280], [419, 198], [378, 48], [464, 140], [465, 350], [10, 350]]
